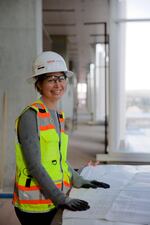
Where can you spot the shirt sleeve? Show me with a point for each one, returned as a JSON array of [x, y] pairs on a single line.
[[29, 140], [77, 179]]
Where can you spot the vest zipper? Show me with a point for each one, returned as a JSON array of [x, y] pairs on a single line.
[[62, 184]]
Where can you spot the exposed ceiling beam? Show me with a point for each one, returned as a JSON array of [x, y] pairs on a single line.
[[60, 24], [94, 23], [97, 35], [59, 10]]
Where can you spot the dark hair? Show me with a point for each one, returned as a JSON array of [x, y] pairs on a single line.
[[38, 80]]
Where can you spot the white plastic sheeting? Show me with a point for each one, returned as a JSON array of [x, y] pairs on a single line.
[[127, 202]]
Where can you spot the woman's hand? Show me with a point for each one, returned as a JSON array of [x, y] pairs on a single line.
[[94, 184], [75, 204]]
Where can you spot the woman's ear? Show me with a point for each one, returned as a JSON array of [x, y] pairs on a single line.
[[39, 88], [66, 85]]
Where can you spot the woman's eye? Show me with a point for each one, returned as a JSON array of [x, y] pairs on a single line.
[[61, 78], [50, 80]]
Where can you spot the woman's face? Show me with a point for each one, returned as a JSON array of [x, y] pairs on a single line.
[[54, 86]]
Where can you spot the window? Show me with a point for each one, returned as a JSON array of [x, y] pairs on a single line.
[[82, 91], [134, 26]]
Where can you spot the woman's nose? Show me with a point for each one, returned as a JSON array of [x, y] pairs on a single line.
[[56, 82]]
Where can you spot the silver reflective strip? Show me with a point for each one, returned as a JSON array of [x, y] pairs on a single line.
[[65, 189], [62, 125], [44, 121], [34, 194], [58, 181], [30, 195], [38, 105]]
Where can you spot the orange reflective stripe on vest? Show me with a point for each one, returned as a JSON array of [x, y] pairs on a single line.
[[23, 188], [43, 115], [44, 201], [61, 120], [67, 184], [34, 188], [47, 127]]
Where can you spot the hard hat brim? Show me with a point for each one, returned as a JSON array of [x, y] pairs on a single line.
[[31, 79]]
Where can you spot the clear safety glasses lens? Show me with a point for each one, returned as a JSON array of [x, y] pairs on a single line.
[[54, 79]]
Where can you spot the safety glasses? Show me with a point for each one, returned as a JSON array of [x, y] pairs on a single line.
[[53, 79]]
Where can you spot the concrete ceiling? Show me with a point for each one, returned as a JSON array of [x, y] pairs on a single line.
[[83, 22]]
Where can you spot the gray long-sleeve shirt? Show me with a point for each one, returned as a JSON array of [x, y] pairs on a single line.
[[28, 137]]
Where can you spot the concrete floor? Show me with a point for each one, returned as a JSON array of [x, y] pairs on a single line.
[[85, 142], [8, 216]]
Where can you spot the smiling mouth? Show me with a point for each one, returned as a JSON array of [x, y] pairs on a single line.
[[57, 92]]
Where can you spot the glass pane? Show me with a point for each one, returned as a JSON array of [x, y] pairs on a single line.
[[133, 9], [137, 77]]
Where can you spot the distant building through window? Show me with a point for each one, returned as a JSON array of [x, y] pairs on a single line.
[[137, 75]]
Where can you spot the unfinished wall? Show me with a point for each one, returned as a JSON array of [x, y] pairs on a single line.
[[19, 44]]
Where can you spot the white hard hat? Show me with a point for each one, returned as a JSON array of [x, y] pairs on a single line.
[[49, 62]]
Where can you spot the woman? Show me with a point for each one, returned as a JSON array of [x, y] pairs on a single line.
[[43, 176]]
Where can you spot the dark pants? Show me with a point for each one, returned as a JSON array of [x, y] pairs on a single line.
[[35, 218]]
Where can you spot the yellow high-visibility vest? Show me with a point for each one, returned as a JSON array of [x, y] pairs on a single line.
[[27, 192]]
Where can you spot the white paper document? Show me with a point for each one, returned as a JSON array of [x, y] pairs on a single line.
[[126, 202]]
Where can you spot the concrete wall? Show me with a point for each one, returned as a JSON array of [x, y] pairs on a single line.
[[19, 44]]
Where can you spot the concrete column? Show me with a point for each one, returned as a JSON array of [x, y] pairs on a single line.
[[90, 91], [20, 42], [117, 94], [113, 120], [100, 84]]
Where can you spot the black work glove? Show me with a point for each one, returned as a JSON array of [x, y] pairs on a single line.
[[75, 204], [95, 184]]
